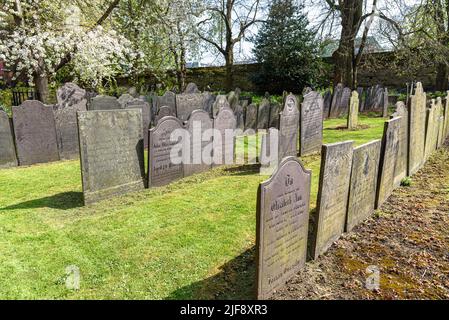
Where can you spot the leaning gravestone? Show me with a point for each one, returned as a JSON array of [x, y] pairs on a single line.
[[224, 137], [289, 128], [146, 115], [362, 192], [187, 103], [8, 156], [282, 225], [417, 129], [251, 117], [161, 169], [70, 94], [35, 133], [388, 158], [263, 114], [335, 175], [311, 123], [199, 122], [67, 128], [104, 103], [191, 88], [327, 104], [164, 111], [353, 115], [401, 163], [111, 148]]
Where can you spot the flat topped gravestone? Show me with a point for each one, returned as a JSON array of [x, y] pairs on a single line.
[[335, 175], [104, 103], [311, 123], [7, 150], [417, 129], [388, 158], [187, 103], [146, 115], [353, 114], [224, 137], [161, 168], [401, 163], [111, 148], [289, 128], [362, 193], [35, 133], [199, 122], [282, 225]]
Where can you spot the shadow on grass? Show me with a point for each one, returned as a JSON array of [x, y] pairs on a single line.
[[62, 201], [235, 281], [243, 170]]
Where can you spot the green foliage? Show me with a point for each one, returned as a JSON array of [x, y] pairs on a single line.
[[287, 50], [6, 100], [406, 182]]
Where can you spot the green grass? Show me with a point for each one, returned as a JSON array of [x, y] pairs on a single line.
[[191, 239]]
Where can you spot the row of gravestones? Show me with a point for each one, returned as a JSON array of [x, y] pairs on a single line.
[[353, 183], [112, 150], [337, 103]]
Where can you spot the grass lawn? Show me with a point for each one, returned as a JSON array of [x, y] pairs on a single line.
[[191, 239]]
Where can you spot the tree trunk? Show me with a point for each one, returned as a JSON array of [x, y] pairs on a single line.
[[41, 83], [229, 58], [441, 78]]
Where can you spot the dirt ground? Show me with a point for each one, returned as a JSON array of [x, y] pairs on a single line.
[[407, 240]]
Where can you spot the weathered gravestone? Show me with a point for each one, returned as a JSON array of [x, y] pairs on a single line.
[[335, 176], [187, 103], [199, 122], [161, 168], [124, 99], [340, 101], [104, 103], [251, 117], [111, 148], [220, 102], [327, 104], [361, 102], [388, 159], [164, 111], [233, 99], [446, 117], [431, 130], [146, 116], [417, 129], [67, 128], [353, 115], [288, 128], [8, 156], [191, 88], [385, 103], [35, 133], [311, 123], [209, 100], [239, 113], [263, 115], [275, 110], [362, 191], [224, 139], [70, 94], [401, 163], [441, 136], [282, 226], [168, 100]]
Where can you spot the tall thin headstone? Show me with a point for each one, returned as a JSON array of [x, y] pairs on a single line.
[[311, 123], [289, 128], [251, 117], [224, 143], [353, 115], [263, 115], [402, 159], [417, 129]]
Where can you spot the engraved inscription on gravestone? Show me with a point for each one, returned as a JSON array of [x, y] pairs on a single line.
[[111, 148], [311, 123], [282, 225], [335, 175], [161, 169], [288, 128], [35, 133], [7, 151]]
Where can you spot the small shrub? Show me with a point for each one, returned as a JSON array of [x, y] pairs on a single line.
[[406, 182]]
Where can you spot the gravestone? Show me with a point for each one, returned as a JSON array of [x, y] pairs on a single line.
[[275, 110], [329, 221], [111, 148], [417, 129], [311, 123], [224, 139], [70, 94], [430, 131], [233, 99], [388, 158], [446, 117], [161, 169], [336, 101], [263, 115], [187, 103], [146, 116], [209, 100], [133, 92], [327, 104], [35, 133], [199, 121], [306, 90], [104, 103], [220, 102], [401, 163], [67, 128], [124, 99], [362, 191], [289, 128], [164, 111], [239, 113], [191, 88], [251, 117], [441, 136], [168, 100], [385, 103], [353, 115], [282, 226], [8, 156], [360, 92]]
